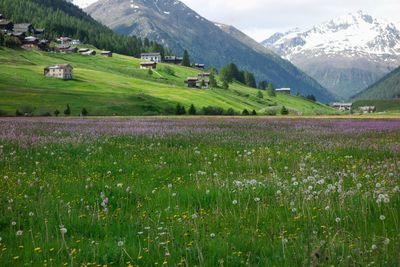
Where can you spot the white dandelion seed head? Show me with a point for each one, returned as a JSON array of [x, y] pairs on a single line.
[[212, 235], [63, 230], [386, 241], [338, 220], [234, 202], [121, 243], [373, 247], [19, 232], [382, 217]]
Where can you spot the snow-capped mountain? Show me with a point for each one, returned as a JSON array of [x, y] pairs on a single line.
[[346, 54]]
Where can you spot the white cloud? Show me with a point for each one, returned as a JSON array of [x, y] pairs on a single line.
[[261, 18]]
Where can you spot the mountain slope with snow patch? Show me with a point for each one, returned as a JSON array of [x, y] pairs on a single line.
[[346, 54]]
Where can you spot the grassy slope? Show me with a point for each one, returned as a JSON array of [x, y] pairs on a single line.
[[386, 88], [107, 86]]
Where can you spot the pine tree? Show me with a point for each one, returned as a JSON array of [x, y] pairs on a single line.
[[84, 112], [56, 112], [271, 90], [180, 110], [245, 112], [67, 111], [1, 38], [192, 110], [225, 85], [284, 111], [186, 59], [213, 81], [254, 112], [260, 94]]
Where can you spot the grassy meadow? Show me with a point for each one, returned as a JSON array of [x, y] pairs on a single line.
[[116, 86], [199, 192]]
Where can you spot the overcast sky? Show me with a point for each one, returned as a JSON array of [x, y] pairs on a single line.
[[262, 18]]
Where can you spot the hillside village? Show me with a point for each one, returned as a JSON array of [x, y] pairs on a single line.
[[28, 37]]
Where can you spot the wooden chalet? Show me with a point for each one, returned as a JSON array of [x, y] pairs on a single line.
[[6, 25], [368, 109], [197, 82], [148, 65], [60, 71], [200, 66], [106, 53], [26, 28], [343, 106], [173, 60], [30, 42], [154, 57], [284, 90]]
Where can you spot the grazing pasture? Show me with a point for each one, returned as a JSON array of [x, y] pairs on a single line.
[[199, 192]]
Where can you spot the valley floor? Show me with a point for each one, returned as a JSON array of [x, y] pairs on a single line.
[[204, 192]]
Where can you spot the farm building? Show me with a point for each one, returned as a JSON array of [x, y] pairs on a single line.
[[106, 53], [6, 25], [154, 57], [61, 71], [284, 90], [343, 106], [25, 28], [368, 109], [66, 49], [87, 52], [64, 40], [204, 75], [75, 42], [196, 82], [30, 42], [200, 66], [148, 65], [44, 45], [173, 60]]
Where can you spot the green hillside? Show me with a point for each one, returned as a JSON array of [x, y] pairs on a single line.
[[107, 86], [386, 88]]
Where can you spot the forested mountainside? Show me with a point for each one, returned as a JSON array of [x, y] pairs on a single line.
[[60, 17]]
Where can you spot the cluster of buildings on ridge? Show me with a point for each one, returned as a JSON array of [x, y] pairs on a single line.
[[349, 107], [150, 60]]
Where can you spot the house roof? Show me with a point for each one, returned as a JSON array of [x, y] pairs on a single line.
[[148, 63], [31, 39], [4, 22], [342, 104], [60, 66], [283, 89], [106, 52], [192, 79], [17, 34], [22, 27], [150, 54]]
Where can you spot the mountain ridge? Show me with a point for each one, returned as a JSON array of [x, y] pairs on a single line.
[[385, 89], [176, 26]]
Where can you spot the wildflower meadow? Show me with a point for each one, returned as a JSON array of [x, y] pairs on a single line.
[[199, 192]]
